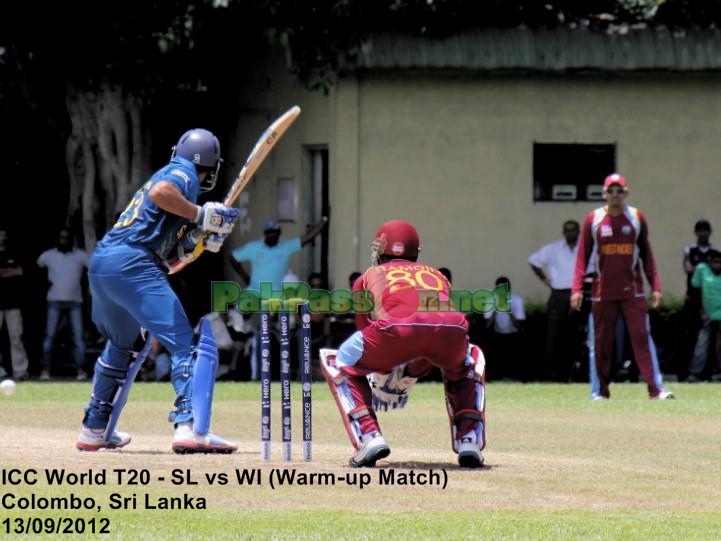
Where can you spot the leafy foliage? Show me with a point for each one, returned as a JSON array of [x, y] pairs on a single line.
[[149, 46], [167, 50]]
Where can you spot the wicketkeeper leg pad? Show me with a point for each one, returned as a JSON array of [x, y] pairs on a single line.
[[466, 401], [328, 365], [349, 393]]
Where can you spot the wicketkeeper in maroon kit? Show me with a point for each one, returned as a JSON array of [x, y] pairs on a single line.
[[617, 234], [397, 343]]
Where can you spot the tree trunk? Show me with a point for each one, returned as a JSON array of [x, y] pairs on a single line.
[[104, 155]]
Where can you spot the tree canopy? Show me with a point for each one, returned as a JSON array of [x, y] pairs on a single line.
[[77, 79]]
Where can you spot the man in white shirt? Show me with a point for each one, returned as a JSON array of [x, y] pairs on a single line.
[[554, 264], [66, 266]]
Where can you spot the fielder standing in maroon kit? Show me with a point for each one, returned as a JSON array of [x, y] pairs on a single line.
[[618, 236]]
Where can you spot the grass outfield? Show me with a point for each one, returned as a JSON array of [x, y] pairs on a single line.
[[559, 466]]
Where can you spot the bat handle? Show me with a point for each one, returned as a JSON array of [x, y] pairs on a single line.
[[182, 262], [199, 248]]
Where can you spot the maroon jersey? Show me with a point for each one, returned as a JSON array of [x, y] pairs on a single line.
[[619, 246], [388, 281]]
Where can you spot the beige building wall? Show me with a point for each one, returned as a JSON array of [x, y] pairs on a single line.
[[453, 154], [262, 100]]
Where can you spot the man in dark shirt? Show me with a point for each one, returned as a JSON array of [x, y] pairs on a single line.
[[11, 278], [693, 255]]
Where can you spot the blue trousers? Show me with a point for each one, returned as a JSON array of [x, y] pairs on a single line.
[[130, 290], [75, 313], [700, 352]]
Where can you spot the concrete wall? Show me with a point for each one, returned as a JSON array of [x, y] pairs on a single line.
[[453, 154]]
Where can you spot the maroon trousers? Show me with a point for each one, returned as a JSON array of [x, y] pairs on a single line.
[[635, 314], [380, 349]]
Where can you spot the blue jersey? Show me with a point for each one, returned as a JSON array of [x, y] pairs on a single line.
[[268, 263], [144, 223]]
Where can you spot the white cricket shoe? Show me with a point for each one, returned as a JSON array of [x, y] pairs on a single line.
[[373, 449], [469, 454], [91, 439], [187, 441], [663, 395]]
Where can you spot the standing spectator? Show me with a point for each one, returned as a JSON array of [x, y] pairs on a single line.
[[269, 259], [506, 355], [563, 340], [707, 277], [11, 294], [66, 267], [618, 235], [693, 255]]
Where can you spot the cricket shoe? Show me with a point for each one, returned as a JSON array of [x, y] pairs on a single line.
[[92, 439], [663, 395], [469, 455], [187, 441], [371, 450]]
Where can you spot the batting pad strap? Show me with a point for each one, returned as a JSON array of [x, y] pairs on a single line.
[[179, 375], [116, 374], [183, 408], [204, 368], [183, 370], [100, 405], [107, 381], [461, 415], [357, 413]]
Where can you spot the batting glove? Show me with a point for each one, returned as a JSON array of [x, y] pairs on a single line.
[[214, 242], [215, 217]]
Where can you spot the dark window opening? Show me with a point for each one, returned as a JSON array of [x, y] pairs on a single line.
[[571, 172]]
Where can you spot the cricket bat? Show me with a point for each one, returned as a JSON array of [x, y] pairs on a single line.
[[262, 148]]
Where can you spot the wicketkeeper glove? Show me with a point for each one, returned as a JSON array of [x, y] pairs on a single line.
[[390, 391]]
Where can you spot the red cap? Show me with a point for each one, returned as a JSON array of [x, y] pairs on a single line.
[[616, 179], [401, 239]]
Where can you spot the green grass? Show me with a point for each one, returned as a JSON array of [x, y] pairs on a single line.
[[559, 466]]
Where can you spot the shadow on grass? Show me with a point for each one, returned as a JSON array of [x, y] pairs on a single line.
[[417, 465]]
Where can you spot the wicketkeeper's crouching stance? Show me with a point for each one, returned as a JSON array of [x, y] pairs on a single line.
[[397, 343], [130, 289]]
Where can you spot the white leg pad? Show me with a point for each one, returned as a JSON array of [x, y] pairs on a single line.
[[476, 363], [342, 393], [327, 361]]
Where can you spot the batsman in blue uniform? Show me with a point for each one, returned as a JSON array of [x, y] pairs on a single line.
[[130, 289]]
